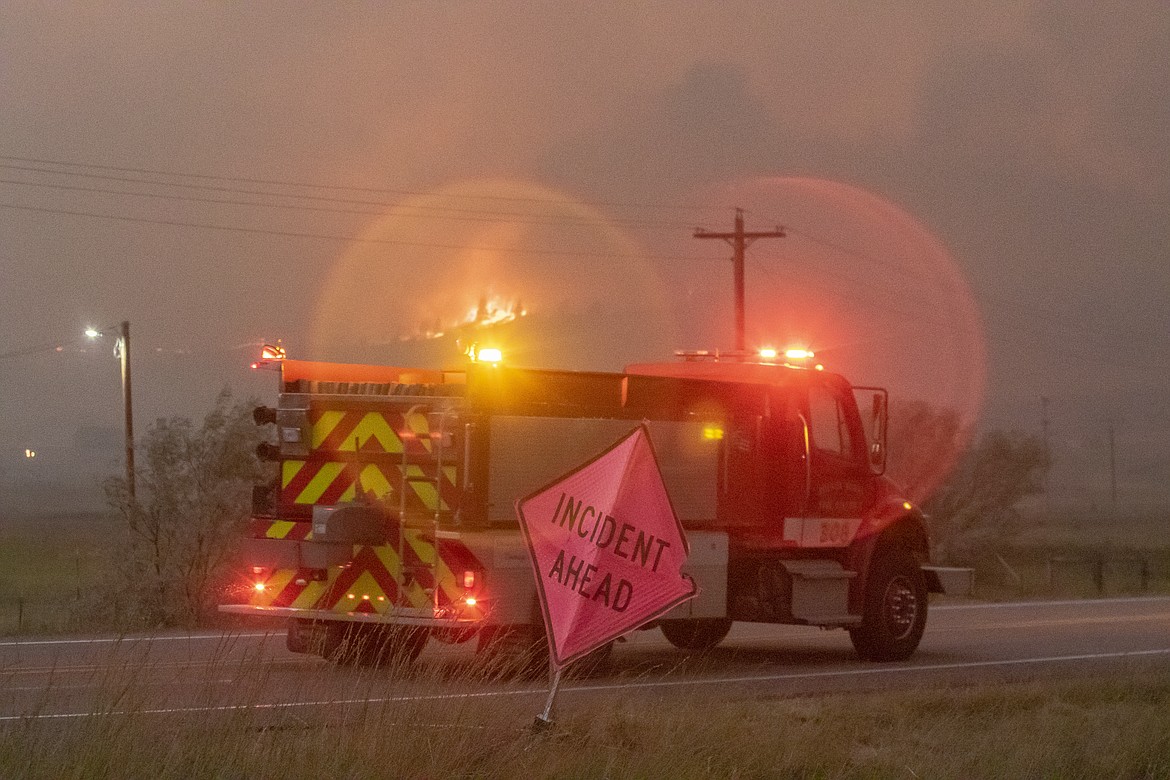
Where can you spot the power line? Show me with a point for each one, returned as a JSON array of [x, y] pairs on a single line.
[[345, 239], [290, 183], [487, 216]]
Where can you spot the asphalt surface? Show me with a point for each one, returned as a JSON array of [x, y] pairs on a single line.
[[78, 678]]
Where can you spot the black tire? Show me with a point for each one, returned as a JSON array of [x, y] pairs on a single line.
[[894, 613], [373, 645], [391, 645], [696, 634]]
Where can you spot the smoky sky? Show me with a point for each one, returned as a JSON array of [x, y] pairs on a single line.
[[1030, 138]]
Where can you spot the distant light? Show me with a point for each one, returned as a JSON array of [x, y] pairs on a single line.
[[798, 354], [272, 352], [259, 587], [819, 367], [767, 353], [712, 432], [489, 355], [470, 601], [29, 453], [92, 333], [907, 505]]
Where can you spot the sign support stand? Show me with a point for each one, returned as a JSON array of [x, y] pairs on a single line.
[[544, 721]]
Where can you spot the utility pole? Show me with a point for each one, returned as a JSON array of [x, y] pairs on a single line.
[[1112, 469], [128, 407], [1044, 434], [739, 240]]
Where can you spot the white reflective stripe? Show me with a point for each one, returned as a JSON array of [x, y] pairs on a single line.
[[821, 531]]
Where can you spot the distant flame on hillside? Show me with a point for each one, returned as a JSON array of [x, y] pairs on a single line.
[[491, 310]]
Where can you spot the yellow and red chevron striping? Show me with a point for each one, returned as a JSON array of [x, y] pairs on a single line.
[[375, 578], [360, 430], [306, 482], [266, 528]]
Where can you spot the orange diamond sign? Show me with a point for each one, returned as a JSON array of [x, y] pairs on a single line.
[[607, 548]]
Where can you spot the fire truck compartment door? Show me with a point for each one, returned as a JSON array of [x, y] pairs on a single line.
[[707, 566], [530, 452]]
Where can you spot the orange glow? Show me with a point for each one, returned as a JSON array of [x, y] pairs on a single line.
[[260, 586], [470, 601], [907, 505], [798, 353], [539, 268], [767, 353]]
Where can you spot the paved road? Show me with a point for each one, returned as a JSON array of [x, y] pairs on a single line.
[[71, 679]]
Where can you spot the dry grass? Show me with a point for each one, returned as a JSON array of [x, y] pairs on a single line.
[[1112, 726]]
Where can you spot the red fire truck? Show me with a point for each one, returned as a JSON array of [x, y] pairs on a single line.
[[391, 521]]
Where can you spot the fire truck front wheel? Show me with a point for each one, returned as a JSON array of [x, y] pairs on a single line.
[[697, 634], [894, 614]]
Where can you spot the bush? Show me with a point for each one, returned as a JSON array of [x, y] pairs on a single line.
[[192, 499]]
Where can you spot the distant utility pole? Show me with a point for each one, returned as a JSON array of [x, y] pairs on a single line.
[[739, 240], [1112, 468], [1044, 434], [127, 405]]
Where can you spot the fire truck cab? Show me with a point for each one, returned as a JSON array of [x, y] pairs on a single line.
[[392, 522]]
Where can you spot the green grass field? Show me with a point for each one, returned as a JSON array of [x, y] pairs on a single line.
[[49, 566]]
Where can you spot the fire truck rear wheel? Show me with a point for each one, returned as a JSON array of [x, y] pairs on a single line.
[[894, 615], [373, 645], [697, 634]]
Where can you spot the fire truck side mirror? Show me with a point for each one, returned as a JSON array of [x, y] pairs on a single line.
[[877, 447]]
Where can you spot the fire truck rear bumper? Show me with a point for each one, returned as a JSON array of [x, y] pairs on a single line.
[[951, 580], [405, 617]]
